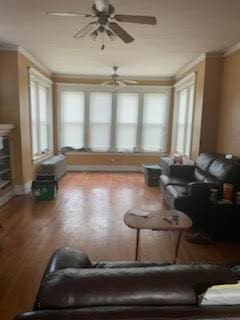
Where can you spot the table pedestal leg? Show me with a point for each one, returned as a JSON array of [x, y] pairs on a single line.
[[179, 235], [137, 245]]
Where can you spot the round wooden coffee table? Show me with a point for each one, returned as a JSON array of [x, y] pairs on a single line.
[[170, 220]]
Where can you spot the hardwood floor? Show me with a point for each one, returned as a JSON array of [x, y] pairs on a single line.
[[86, 214]]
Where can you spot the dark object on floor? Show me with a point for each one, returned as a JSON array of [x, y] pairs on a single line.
[[187, 188], [44, 187], [152, 173], [198, 238], [73, 287]]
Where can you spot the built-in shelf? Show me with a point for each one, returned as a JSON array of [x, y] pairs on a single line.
[[5, 156], [4, 171], [6, 186]]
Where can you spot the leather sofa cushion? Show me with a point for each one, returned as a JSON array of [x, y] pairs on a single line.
[[225, 171], [168, 180], [199, 175], [204, 161], [176, 191], [168, 285]]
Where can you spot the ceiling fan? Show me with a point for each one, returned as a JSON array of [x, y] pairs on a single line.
[[115, 82], [105, 22]]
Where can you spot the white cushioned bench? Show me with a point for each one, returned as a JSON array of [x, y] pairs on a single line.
[[56, 166]]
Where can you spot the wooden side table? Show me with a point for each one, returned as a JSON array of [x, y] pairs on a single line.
[[169, 220]]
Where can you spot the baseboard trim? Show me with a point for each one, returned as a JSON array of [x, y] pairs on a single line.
[[6, 197], [99, 168], [23, 189]]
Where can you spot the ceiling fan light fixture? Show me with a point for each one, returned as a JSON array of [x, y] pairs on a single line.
[[93, 35], [112, 36]]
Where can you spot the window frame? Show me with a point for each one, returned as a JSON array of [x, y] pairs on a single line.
[[185, 84], [140, 90], [39, 79]]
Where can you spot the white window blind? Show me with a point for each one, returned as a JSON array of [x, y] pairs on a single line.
[[41, 114], [183, 116], [154, 131], [72, 118], [34, 116], [100, 117], [43, 117], [181, 121], [127, 121]]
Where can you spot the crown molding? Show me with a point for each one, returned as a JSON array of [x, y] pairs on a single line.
[[34, 60], [232, 49], [204, 56], [4, 46], [99, 77]]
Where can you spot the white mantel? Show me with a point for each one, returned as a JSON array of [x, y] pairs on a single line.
[[6, 127]]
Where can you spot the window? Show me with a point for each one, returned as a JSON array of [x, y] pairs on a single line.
[[154, 122], [100, 118], [41, 114], [127, 121], [183, 115], [72, 118]]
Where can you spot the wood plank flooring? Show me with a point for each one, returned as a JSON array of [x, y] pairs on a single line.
[[86, 214]]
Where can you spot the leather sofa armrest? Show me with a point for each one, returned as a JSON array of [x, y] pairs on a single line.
[[202, 190], [182, 171], [68, 258]]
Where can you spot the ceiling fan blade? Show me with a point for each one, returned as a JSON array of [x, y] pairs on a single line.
[[121, 83], [126, 37], [106, 83], [68, 14], [86, 30], [102, 5], [130, 82], [135, 19]]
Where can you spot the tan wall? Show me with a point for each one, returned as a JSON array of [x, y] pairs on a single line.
[[111, 159], [229, 116], [199, 69], [9, 106], [212, 95]]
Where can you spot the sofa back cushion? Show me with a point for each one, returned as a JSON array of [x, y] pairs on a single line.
[[204, 161], [225, 171], [167, 285]]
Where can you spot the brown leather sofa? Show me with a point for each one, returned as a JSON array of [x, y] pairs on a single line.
[[74, 288], [187, 187]]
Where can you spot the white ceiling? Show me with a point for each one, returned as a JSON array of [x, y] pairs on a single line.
[[185, 30]]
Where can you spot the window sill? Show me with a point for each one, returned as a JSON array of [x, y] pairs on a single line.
[[42, 157], [116, 153]]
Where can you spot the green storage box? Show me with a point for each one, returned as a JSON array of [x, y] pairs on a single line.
[[44, 190]]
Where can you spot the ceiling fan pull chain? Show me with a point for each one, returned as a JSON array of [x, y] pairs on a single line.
[[103, 40]]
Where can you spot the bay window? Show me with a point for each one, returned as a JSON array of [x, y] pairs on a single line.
[[122, 121]]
